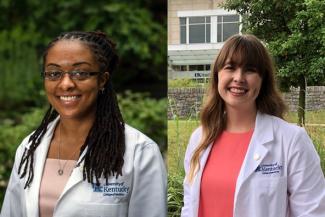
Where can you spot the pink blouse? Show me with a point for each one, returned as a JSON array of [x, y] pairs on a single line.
[[218, 182], [52, 184]]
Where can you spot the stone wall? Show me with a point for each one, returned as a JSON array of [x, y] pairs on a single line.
[[186, 102], [315, 99]]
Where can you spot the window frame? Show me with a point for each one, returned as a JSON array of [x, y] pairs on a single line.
[[213, 14]]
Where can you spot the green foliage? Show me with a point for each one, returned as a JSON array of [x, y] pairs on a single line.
[[138, 27], [146, 114], [312, 117], [179, 132], [184, 82], [10, 137], [175, 195], [19, 83]]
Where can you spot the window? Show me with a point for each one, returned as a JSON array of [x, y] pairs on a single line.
[[227, 26], [199, 30], [195, 67], [182, 22], [179, 68], [206, 29], [182, 68]]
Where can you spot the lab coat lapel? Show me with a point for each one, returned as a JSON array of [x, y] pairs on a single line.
[[257, 150], [197, 180], [32, 193]]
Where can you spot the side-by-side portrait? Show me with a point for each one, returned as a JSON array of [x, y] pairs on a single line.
[[178, 108]]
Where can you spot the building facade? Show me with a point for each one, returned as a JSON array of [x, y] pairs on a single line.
[[196, 32]]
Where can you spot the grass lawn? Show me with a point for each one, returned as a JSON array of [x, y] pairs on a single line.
[[179, 132], [315, 117]]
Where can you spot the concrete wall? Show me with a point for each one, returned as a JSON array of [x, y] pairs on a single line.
[[186, 102]]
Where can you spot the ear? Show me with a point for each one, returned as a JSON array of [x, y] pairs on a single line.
[[103, 79]]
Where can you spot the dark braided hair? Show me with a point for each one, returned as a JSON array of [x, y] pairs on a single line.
[[105, 141]]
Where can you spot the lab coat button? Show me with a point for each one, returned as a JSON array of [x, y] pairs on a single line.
[[256, 156]]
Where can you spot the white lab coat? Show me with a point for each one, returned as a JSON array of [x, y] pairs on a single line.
[[141, 189], [280, 175]]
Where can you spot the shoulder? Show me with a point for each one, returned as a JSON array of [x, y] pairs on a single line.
[[25, 144], [137, 141], [279, 126], [141, 151], [134, 135], [196, 135], [194, 140], [292, 135], [284, 125]]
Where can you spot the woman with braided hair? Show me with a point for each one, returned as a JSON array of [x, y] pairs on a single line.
[[83, 160]]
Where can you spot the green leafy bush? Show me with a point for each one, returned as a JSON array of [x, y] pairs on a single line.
[[146, 114], [10, 137], [20, 82]]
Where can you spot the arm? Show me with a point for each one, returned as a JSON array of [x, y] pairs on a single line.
[[306, 183], [13, 205], [188, 204], [149, 192], [186, 184]]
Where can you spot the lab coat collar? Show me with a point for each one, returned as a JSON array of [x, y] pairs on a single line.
[[39, 162]]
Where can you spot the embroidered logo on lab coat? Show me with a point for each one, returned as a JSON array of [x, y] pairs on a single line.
[[269, 168], [112, 189]]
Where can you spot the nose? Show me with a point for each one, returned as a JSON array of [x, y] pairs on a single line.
[[66, 83], [239, 75]]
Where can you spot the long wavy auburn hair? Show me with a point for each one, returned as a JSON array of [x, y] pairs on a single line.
[[243, 50]]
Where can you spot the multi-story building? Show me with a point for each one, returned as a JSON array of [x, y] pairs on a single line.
[[196, 31]]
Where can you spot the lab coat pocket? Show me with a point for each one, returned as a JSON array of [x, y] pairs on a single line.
[[269, 194], [105, 210]]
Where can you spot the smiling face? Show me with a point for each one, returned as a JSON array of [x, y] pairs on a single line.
[[242, 73], [239, 86], [72, 98]]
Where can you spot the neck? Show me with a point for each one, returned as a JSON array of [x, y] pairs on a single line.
[[240, 120], [75, 131]]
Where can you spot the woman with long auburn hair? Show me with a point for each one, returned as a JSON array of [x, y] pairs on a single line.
[[245, 160]]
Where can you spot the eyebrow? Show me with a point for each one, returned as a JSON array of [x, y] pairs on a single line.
[[75, 64], [230, 63]]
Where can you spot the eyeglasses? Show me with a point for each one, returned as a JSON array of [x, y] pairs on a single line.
[[74, 75]]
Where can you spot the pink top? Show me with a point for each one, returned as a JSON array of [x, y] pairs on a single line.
[[218, 182], [52, 184]]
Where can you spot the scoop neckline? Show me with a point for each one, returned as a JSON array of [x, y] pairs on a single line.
[[239, 133]]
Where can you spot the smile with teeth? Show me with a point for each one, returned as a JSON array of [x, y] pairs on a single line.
[[237, 90], [69, 98]]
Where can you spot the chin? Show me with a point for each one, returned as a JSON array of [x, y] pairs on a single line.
[[69, 116]]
